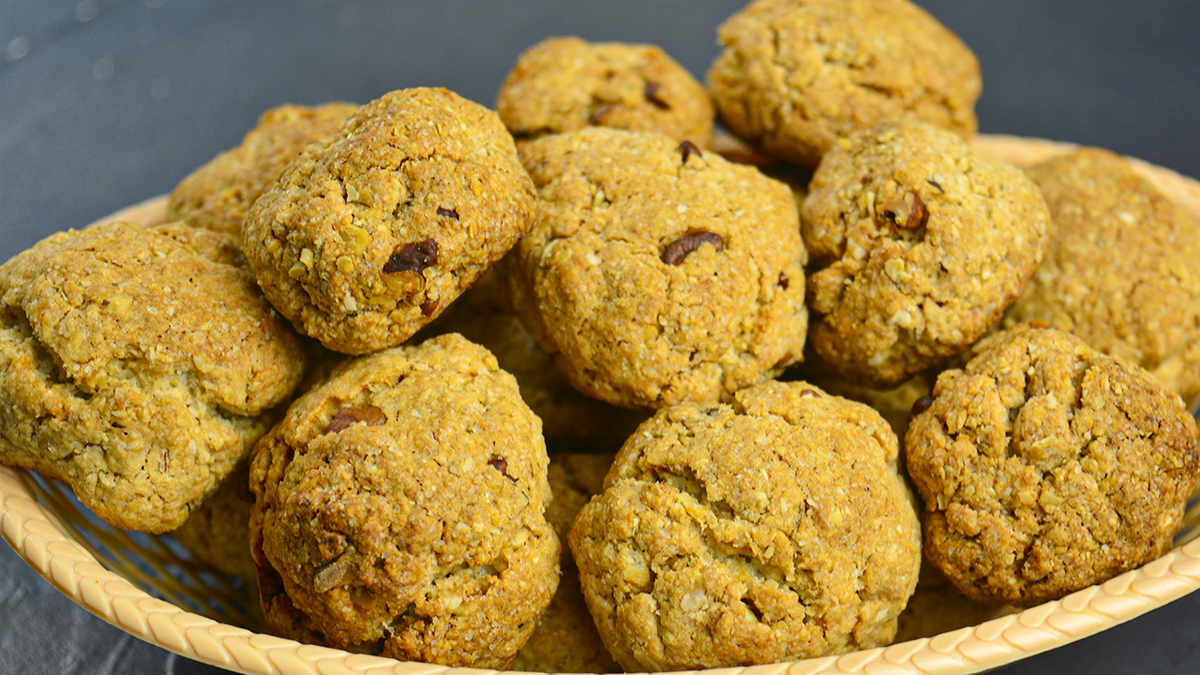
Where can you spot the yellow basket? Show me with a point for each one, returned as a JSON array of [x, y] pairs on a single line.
[[151, 587]]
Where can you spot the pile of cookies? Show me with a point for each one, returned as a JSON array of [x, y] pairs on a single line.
[[847, 364]]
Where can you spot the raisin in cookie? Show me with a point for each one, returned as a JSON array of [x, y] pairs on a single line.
[[793, 76], [658, 273], [400, 510], [771, 529], [566, 84], [371, 232], [1047, 467], [919, 245], [136, 364], [1121, 269], [218, 194]]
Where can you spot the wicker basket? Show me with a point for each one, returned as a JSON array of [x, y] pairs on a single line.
[[151, 587]]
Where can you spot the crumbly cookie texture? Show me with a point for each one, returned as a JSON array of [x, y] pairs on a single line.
[[1142, 302], [794, 76], [1047, 467], [135, 364], [370, 233], [919, 245], [771, 529], [658, 273], [400, 510], [217, 195], [570, 420], [566, 83]]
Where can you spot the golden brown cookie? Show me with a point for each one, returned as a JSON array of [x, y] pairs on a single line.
[[1122, 270], [658, 273], [566, 83], [793, 76], [370, 233], [399, 510], [1047, 467], [217, 532], [135, 364], [770, 529], [919, 244], [218, 194]]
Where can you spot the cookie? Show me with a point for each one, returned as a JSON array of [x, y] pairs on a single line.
[[771, 529], [218, 194], [399, 510], [370, 233], [919, 244], [658, 273], [217, 532], [1120, 271], [566, 83], [895, 404], [1046, 467], [794, 76]]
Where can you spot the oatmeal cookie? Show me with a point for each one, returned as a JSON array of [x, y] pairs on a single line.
[[1047, 467], [919, 245], [770, 529], [794, 76], [370, 233], [399, 510], [135, 365], [658, 273], [1121, 268], [218, 194], [566, 84]]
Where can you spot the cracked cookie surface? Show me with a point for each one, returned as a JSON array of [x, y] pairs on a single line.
[[658, 273], [400, 510], [136, 364], [771, 529], [1046, 467], [793, 76], [370, 233], [919, 244]]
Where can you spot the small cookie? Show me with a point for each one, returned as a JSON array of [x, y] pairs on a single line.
[[773, 529], [919, 245], [399, 510], [1047, 467], [658, 273], [794, 76], [566, 84], [370, 233], [134, 366], [1121, 268], [217, 195]]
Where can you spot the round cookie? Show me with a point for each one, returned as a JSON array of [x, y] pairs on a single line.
[[794, 76], [658, 273], [566, 83], [1047, 467], [1142, 302], [771, 529], [218, 194], [399, 510], [919, 244], [370, 233], [135, 364]]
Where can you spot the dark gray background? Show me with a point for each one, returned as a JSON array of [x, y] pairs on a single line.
[[107, 103]]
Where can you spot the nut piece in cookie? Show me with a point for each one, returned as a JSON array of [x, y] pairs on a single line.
[[794, 76], [771, 529], [656, 272], [218, 194], [919, 244], [400, 510], [1047, 467], [134, 365], [1121, 268], [370, 233], [566, 84]]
